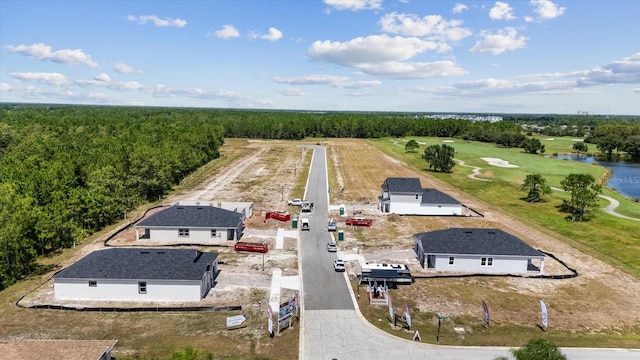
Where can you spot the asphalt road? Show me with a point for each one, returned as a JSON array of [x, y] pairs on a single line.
[[333, 329], [324, 288]]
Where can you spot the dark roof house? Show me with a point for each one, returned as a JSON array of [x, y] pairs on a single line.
[[193, 217], [476, 241], [140, 263]]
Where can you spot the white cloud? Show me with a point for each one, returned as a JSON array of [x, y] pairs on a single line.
[[459, 8], [102, 77], [402, 70], [55, 79], [292, 92], [227, 32], [503, 40], [547, 9], [43, 52], [116, 86], [359, 84], [273, 35], [624, 71], [528, 19], [370, 49], [310, 80], [501, 11], [4, 87], [166, 22], [354, 5], [123, 68], [431, 26], [339, 82]]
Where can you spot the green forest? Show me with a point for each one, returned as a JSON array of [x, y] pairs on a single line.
[[67, 171]]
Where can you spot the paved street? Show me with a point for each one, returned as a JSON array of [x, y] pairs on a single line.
[[333, 328]]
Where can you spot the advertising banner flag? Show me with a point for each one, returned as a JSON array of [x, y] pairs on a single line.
[[390, 306], [270, 316], [543, 307], [486, 312], [407, 315]]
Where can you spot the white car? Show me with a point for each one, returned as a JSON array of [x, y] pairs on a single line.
[[332, 247], [295, 202], [338, 265]]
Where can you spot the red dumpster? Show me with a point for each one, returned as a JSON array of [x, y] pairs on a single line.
[[359, 222], [252, 247], [278, 215]]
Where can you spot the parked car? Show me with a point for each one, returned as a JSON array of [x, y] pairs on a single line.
[[338, 265], [332, 247], [306, 207], [295, 202]]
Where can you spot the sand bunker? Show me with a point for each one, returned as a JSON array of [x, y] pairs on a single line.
[[550, 139], [499, 162], [447, 141], [577, 139]]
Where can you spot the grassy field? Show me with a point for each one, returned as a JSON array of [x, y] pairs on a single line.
[[612, 239]]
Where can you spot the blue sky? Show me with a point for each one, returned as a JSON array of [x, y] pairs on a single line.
[[533, 56]]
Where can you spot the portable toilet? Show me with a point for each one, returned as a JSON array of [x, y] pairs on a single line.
[[340, 235], [294, 223], [341, 210]]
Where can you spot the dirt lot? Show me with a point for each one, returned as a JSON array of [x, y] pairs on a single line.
[[600, 299]]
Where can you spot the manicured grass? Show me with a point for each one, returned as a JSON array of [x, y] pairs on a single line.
[[609, 238]]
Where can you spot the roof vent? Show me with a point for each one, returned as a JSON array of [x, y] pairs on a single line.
[[199, 208], [179, 208], [491, 232], [468, 232], [144, 252], [160, 252]]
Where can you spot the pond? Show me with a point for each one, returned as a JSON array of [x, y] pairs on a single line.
[[625, 175]]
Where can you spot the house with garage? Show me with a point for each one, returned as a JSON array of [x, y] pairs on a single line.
[[192, 224], [405, 196], [138, 274], [476, 251]]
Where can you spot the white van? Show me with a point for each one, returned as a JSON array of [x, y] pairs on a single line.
[[304, 224]]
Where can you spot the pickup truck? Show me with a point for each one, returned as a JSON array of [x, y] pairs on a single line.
[[332, 225], [304, 224], [295, 202]]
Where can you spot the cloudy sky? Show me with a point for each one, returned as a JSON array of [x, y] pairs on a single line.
[[533, 56]]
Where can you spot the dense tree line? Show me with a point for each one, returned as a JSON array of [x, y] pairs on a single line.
[[69, 171]]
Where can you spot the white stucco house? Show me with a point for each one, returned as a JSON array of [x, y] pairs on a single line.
[[138, 274], [405, 196], [192, 224], [476, 251]]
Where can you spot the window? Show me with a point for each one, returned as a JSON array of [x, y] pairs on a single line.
[[93, 283], [142, 287], [213, 233], [183, 232], [451, 260], [486, 261]]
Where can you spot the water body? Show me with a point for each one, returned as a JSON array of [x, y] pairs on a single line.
[[625, 175]]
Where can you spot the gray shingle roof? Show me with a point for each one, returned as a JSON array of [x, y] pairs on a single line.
[[402, 185], [140, 263], [433, 196], [461, 241], [193, 217]]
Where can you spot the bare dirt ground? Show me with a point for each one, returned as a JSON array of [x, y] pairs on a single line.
[[601, 298]]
